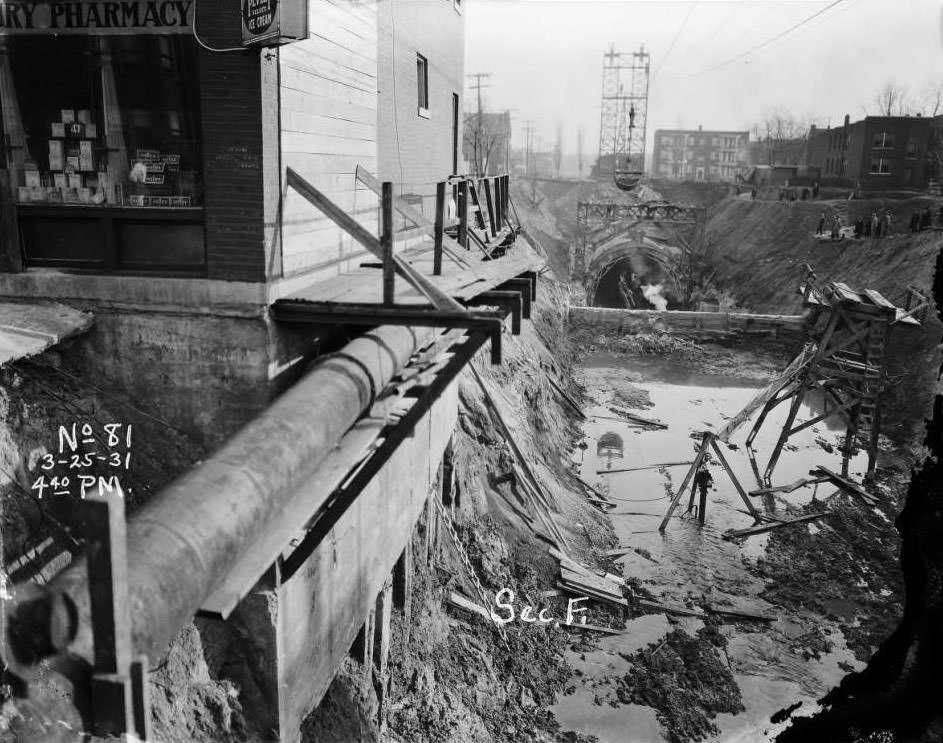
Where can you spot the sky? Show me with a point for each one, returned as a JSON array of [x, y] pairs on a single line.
[[715, 63]]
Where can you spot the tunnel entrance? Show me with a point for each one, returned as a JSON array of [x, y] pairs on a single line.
[[634, 282]]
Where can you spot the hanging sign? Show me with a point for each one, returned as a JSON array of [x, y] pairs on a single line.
[[96, 17], [269, 22]]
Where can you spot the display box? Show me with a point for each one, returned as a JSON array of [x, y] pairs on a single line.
[[37, 193], [75, 129], [83, 116], [91, 131], [58, 129], [137, 200], [72, 161], [33, 179], [180, 201], [154, 179], [159, 201], [86, 160], [70, 196], [76, 180], [68, 115], [56, 159], [60, 180], [148, 156], [85, 195], [23, 194]]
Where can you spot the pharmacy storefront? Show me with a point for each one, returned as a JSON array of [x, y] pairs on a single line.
[[101, 135]]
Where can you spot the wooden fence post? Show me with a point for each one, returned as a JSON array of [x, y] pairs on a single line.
[[463, 213], [439, 228], [386, 242]]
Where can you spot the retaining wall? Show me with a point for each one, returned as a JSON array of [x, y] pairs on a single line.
[[719, 325]]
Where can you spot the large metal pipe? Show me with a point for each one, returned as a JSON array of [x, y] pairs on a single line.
[[181, 543]]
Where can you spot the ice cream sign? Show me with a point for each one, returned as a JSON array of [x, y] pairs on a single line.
[[268, 22]]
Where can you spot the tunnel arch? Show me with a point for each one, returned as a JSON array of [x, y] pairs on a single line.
[[635, 262]]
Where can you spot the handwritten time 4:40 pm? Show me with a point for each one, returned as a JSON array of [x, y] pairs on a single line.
[[112, 449]]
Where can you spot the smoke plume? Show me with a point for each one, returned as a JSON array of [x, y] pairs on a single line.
[[652, 292]]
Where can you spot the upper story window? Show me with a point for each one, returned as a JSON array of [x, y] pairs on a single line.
[[883, 140], [911, 150], [880, 165], [422, 82]]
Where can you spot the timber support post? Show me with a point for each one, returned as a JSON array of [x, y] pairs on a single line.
[[386, 242], [381, 648], [439, 229], [119, 681], [463, 213]]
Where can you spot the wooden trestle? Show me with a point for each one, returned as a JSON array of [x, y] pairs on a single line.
[[842, 360]]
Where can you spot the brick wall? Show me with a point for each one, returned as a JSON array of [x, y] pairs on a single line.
[[416, 152], [231, 93]]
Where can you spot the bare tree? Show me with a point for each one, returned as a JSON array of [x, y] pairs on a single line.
[[783, 135], [486, 136], [889, 100], [930, 100]]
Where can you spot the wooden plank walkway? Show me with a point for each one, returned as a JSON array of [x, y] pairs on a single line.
[[364, 285]]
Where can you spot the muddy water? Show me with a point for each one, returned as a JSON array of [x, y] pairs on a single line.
[[691, 562]]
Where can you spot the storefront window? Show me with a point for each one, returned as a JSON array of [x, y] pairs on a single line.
[[111, 121]]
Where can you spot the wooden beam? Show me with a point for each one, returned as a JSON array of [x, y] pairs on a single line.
[[460, 602], [425, 287], [702, 450], [386, 243], [439, 229], [740, 533], [845, 484], [106, 553], [801, 482], [643, 467], [463, 214], [489, 200]]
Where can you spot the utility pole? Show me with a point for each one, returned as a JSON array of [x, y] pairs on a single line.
[[477, 86], [580, 141]]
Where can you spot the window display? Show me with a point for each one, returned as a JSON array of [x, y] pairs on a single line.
[[102, 121]]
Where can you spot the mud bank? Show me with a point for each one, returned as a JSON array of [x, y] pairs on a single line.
[[734, 674], [453, 678]]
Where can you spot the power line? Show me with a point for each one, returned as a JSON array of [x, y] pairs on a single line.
[[777, 37], [708, 37], [673, 41]]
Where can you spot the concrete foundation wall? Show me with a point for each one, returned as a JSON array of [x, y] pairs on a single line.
[[322, 607], [723, 324]]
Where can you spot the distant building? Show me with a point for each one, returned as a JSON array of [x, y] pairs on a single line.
[[686, 154], [878, 152]]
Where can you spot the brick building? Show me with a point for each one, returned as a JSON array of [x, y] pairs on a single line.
[[145, 181], [146, 172], [686, 154], [877, 152]]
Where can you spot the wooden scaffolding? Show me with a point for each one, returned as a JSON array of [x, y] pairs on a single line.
[[842, 363]]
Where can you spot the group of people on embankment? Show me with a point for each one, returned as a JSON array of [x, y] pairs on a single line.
[[878, 224]]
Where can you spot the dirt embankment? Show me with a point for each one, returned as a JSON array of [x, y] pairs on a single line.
[[760, 250], [452, 677]]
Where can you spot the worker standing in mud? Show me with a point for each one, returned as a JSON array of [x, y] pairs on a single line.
[[702, 481]]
